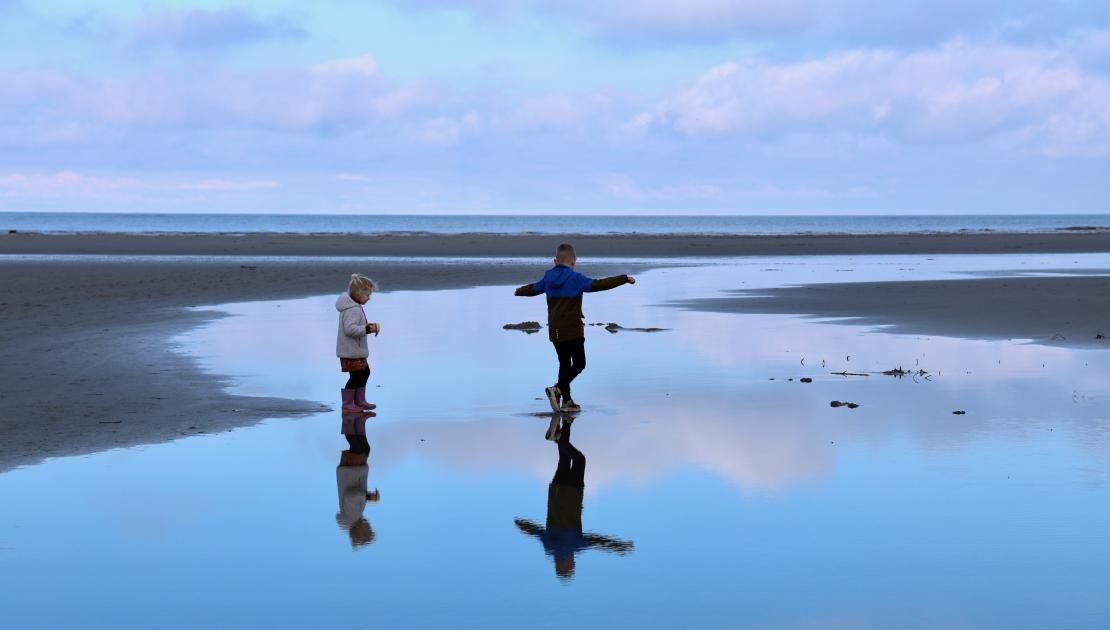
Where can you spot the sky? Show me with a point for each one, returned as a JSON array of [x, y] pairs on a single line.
[[549, 107]]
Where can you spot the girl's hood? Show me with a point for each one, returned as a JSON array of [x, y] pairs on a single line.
[[344, 302]]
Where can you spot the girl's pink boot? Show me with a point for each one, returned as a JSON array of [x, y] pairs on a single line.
[[360, 400], [349, 401]]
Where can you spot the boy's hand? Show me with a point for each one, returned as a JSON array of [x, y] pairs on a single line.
[[631, 280]]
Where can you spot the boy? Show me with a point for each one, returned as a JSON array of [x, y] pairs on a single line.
[[564, 288]]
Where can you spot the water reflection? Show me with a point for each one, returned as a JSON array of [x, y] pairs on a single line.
[[351, 479], [563, 537]]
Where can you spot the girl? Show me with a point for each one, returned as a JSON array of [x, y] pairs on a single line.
[[350, 342]]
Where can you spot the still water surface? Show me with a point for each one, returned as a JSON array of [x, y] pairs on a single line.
[[716, 491]]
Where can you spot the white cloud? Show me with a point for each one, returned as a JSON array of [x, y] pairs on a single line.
[[76, 184], [347, 93], [959, 92]]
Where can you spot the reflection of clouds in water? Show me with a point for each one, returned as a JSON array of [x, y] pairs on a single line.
[[760, 448], [755, 448], [443, 355]]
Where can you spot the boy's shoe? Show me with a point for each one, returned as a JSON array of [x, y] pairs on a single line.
[[570, 406], [553, 432], [553, 394]]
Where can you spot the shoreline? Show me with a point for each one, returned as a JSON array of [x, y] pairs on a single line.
[[419, 244]]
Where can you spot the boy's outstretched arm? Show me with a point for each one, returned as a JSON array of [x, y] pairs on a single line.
[[531, 290], [612, 282], [528, 527], [609, 543]]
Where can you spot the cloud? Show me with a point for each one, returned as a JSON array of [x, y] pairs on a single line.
[[784, 24], [1027, 98], [202, 29], [83, 190], [345, 94]]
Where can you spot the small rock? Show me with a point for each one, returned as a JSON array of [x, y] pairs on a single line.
[[837, 403], [959, 412], [11, 231], [806, 379]]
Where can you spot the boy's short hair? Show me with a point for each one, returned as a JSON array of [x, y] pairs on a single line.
[[564, 250], [361, 285]]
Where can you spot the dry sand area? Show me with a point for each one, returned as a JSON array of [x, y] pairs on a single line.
[[87, 362]]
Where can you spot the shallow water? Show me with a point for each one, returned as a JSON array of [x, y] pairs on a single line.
[[720, 492]]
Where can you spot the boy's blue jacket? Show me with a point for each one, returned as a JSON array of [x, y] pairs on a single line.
[[564, 288]]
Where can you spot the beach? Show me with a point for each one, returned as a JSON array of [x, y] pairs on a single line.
[[88, 365]]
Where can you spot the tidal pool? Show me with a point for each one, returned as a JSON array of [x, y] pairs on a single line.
[[718, 489]]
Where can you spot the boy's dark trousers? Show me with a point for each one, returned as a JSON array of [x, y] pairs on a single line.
[[571, 469], [572, 360]]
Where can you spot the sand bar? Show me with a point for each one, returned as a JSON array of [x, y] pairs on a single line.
[[1067, 311], [530, 245]]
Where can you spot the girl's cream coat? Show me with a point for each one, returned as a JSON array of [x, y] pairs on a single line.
[[350, 340]]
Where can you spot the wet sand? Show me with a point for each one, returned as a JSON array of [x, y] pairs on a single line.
[[530, 245], [86, 360], [1067, 311]]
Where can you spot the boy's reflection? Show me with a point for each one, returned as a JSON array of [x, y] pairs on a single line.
[[563, 536], [351, 478]]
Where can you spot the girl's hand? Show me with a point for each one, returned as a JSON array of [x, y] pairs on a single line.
[[374, 328]]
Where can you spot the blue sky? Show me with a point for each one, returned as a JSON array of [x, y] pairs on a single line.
[[606, 106]]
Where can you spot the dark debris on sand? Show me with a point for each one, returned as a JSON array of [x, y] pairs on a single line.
[[614, 327], [527, 327]]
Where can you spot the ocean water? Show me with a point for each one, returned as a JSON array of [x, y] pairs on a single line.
[[718, 490], [550, 224]]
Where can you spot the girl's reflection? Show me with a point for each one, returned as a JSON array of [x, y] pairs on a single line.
[[351, 479], [563, 537]]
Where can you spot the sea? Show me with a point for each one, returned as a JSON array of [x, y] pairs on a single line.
[[82, 222]]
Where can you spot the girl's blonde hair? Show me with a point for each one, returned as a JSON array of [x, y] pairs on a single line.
[[361, 285]]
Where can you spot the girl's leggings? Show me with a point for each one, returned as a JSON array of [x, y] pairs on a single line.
[[357, 379]]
